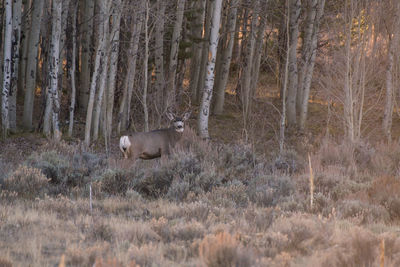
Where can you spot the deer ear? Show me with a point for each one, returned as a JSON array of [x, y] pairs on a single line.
[[186, 115], [170, 116]]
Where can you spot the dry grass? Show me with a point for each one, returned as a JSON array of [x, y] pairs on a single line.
[[206, 204]]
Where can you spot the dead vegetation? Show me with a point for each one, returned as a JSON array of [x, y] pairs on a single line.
[[207, 204]]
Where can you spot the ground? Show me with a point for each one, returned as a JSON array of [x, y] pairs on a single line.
[[232, 201]]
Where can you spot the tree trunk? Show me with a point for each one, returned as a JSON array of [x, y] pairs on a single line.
[[348, 101], [204, 51], [226, 57], [284, 84], [248, 56], [7, 46], [159, 57], [99, 56], [32, 59], [294, 9], [63, 36], [53, 104], [258, 51], [197, 29], [86, 55], [117, 10], [16, 36], [145, 68], [54, 65], [25, 28], [209, 81], [173, 59], [72, 65], [308, 60], [125, 106], [99, 108]]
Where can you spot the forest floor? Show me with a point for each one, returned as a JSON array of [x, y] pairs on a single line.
[[228, 202]]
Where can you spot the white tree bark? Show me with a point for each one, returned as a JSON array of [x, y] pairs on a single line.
[[294, 8], [159, 56], [116, 14], [87, 32], [308, 61], [226, 57], [125, 106], [258, 47], [173, 61], [197, 29], [53, 104], [145, 68], [7, 67], [100, 50], [204, 51], [99, 108], [392, 46], [248, 62], [25, 28], [33, 45], [16, 36], [209, 81], [72, 63]]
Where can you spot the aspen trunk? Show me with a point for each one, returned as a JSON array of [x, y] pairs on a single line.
[[294, 9], [100, 105], [72, 66], [16, 36], [173, 61], [53, 104], [392, 44], [100, 50], [226, 58], [145, 68], [25, 28], [258, 49], [248, 63], [117, 10], [309, 61], [125, 106], [86, 44], [33, 45], [7, 67], [159, 57], [209, 81], [197, 29], [204, 52]]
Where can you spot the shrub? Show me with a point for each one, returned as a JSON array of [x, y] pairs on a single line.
[[114, 182], [100, 231], [28, 182], [362, 211], [288, 162], [181, 173], [359, 248], [236, 163], [269, 190], [52, 164], [222, 249], [231, 195]]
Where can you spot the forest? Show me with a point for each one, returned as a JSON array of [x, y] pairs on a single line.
[[290, 154]]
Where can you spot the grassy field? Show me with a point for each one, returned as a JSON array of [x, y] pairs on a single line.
[[222, 203]]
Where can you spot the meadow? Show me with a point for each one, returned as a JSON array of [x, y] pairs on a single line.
[[207, 204]]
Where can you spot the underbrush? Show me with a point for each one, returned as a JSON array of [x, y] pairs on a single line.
[[205, 204]]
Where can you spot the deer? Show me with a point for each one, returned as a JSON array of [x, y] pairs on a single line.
[[156, 143]]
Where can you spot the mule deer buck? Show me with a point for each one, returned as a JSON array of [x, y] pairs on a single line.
[[154, 144]]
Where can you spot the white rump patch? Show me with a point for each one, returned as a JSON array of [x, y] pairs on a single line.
[[124, 143]]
